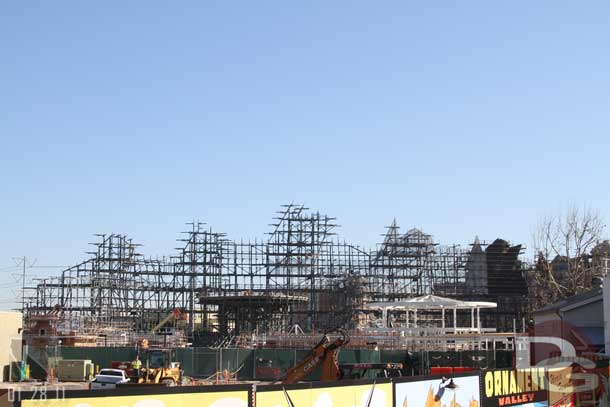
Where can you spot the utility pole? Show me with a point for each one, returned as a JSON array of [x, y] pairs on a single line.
[[24, 266], [23, 288]]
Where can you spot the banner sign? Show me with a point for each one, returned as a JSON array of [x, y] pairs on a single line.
[[523, 387], [462, 391]]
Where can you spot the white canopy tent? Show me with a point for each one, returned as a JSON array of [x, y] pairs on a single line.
[[431, 303]]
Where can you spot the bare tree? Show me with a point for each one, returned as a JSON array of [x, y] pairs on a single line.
[[564, 245]]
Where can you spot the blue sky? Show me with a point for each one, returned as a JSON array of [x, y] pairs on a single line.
[[462, 118]]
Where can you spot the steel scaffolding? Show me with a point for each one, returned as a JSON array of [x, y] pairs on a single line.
[[301, 274]]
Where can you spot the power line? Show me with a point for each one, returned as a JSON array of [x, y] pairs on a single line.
[[49, 267]]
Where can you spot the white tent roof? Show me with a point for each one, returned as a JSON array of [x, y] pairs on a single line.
[[430, 302]]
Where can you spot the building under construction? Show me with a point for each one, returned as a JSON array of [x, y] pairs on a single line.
[[301, 277]]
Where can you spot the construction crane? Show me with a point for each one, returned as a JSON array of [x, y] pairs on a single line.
[[325, 353], [176, 314]]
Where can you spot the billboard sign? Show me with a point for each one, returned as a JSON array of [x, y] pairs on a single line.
[[461, 391], [507, 387]]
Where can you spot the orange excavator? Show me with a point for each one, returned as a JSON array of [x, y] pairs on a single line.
[[325, 353]]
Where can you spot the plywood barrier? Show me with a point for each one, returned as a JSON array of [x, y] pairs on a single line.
[[490, 388], [347, 394], [199, 396]]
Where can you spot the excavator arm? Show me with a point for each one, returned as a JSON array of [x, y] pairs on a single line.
[[325, 353], [330, 364], [176, 314]]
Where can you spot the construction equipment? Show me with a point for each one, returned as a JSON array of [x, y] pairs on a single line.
[[160, 368], [175, 315], [325, 353], [74, 370]]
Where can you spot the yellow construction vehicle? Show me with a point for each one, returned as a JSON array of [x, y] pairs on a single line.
[[159, 367]]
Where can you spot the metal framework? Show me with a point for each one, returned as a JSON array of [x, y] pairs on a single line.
[[301, 274]]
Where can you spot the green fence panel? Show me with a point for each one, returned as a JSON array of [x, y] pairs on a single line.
[[504, 359], [236, 360], [248, 369], [185, 357], [100, 356], [359, 356], [393, 356], [205, 362], [267, 364], [279, 360], [442, 359], [478, 359], [38, 360]]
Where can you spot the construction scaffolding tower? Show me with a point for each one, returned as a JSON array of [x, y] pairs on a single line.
[[300, 275]]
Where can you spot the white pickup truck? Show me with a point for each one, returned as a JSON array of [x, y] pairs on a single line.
[[108, 379]]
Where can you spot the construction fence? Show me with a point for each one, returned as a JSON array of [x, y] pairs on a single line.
[[269, 364]]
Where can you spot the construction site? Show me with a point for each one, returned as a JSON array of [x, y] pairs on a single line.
[[243, 323], [300, 280]]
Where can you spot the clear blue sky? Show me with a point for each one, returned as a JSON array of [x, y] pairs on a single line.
[[462, 118]]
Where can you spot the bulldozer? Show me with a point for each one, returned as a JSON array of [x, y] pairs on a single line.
[[160, 368]]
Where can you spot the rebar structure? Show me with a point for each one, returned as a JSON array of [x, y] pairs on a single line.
[[301, 274]]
